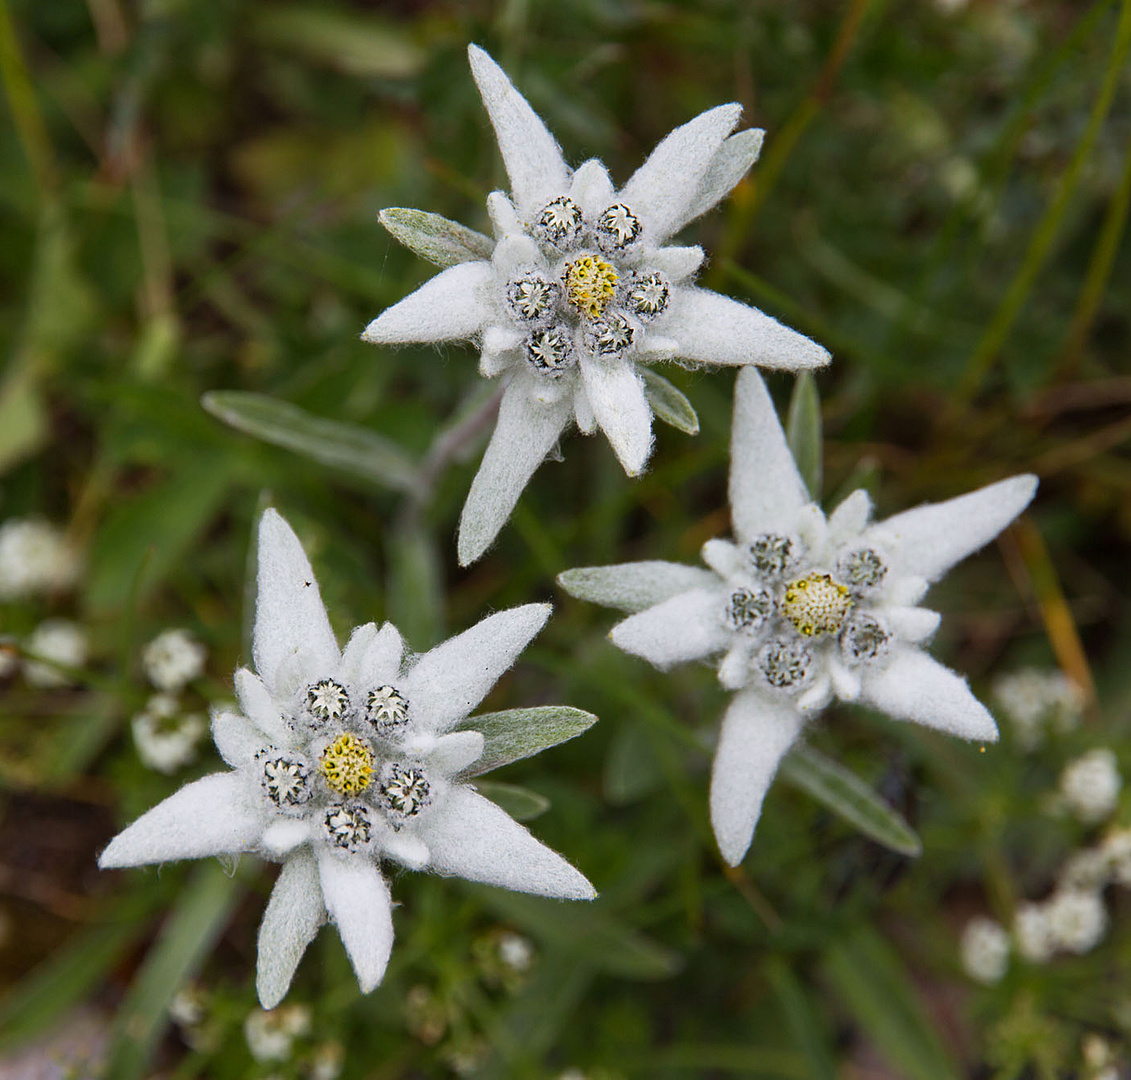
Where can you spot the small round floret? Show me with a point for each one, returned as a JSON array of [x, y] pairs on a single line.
[[386, 710], [347, 765], [533, 297], [347, 827], [173, 659], [816, 604], [590, 285], [864, 639], [785, 664], [405, 789], [616, 228], [649, 295], [327, 700], [560, 223], [985, 950], [286, 780], [1090, 785], [748, 609], [772, 555], [549, 351], [609, 336], [861, 570]]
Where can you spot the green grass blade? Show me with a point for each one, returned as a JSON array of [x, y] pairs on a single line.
[[803, 431], [353, 449], [846, 795]]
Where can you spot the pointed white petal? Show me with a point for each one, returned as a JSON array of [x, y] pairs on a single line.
[[725, 558], [817, 696], [850, 517], [912, 624], [449, 306], [714, 329], [757, 731], [679, 263], [686, 627], [407, 849], [845, 681], [734, 671], [633, 586], [259, 706], [583, 412], [504, 217], [766, 490], [653, 348], [913, 686], [380, 661], [514, 251], [534, 162], [447, 682], [281, 837], [357, 901], [812, 528], [361, 639], [470, 837], [906, 591], [661, 190], [730, 165], [294, 914], [237, 739], [289, 614], [616, 395], [210, 816], [592, 189], [930, 539], [455, 751], [525, 433]]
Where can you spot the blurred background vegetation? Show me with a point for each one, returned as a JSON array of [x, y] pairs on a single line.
[[188, 203]]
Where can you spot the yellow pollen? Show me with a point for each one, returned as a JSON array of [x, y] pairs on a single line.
[[816, 604], [347, 765], [590, 284]]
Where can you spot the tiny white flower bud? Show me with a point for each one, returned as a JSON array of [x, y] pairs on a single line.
[[985, 950], [1090, 786]]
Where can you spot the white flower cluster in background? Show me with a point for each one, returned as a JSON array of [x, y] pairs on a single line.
[[801, 609], [582, 292], [1037, 702], [166, 735], [984, 949], [174, 659], [55, 642], [271, 1034], [166, 738], [1089, 786], [341, 760], [36, 559]]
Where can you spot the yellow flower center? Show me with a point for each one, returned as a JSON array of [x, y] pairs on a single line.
[[816, 604], [347, 764], [590, 284]]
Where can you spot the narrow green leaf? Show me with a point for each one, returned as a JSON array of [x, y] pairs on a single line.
[[869, 978], [521, 803], [803, 430], [435, 238], [804, 1022], [631, 767], [416, 584], [669, 403], [353, 449], [198, 920], [24, 425], [632, 587], [520, 733], [845, 794], [354, 43], [37, 1002]]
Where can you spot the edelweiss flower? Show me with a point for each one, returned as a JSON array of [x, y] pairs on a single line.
[[802, 609], [581, 292], [341, 759]]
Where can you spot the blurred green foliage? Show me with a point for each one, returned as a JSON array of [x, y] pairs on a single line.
[[188, 205]]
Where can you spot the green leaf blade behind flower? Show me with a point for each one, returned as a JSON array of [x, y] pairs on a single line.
[[847, 796], [803, 431], [668, 403], [435, 238], [348, 447], [520, 733], [521, 803]]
